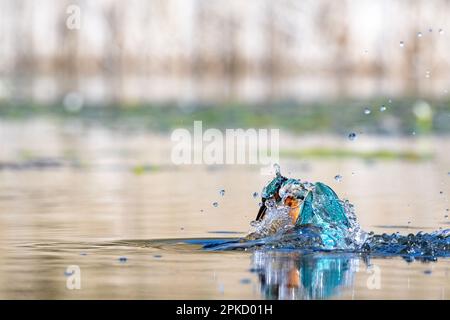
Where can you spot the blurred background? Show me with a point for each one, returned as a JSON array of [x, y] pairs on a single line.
[[90, 92], [210, 51], [195, 54]]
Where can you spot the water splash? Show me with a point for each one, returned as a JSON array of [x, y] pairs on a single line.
[[276, 222], [424, 246], [277, 169], [327, 223]]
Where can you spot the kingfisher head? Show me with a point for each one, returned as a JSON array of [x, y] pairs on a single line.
[[289, 192]]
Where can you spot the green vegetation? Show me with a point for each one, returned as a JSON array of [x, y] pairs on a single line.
[[400, 117], [367, 155]]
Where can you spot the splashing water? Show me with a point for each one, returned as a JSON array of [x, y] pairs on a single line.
[[276, 221], [326, 223], [423, 246]]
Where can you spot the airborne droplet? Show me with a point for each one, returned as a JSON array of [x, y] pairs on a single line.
[[277, 169], [338, 178], [352, 136]]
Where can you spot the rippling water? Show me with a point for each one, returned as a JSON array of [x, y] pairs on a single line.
[[110, 203]]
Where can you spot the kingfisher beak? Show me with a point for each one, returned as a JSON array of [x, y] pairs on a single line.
[[262, 211]]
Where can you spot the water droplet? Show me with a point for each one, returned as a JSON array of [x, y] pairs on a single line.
[[182, 228], [419, 34], [255, 194], [441, 31], [83, 254], [246, 281], [446, 216], [222, 192], [270, 203], [123, 259], [277, 169], [201, 210], [427, 272], [390, 100], [338, 178], [382, 108], [367, 111], [352, 136], [413, 133], [409, 222], [157, 256], [441, 192], [427, 74], [215, 204], [402, 44]]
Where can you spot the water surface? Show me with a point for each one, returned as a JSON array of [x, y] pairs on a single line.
[[87, 196]]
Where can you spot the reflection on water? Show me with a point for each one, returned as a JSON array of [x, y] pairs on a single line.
[[291, 275]]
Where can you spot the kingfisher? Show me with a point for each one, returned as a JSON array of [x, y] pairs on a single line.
[[304, 204]]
